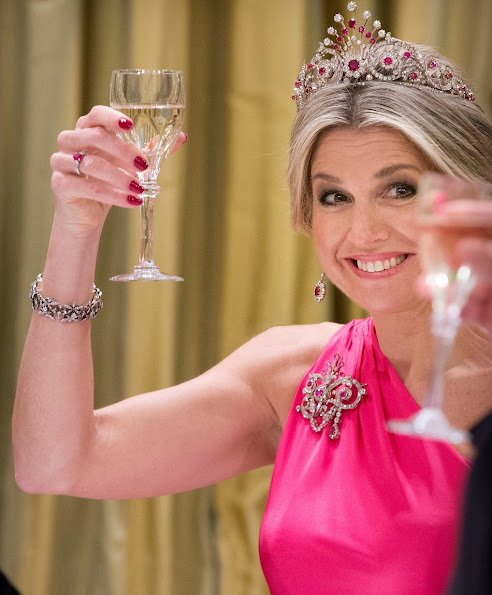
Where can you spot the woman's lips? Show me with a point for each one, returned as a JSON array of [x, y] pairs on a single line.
[[379, 265]]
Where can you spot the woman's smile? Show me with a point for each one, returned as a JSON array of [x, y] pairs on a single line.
[[377, 266], [364, 186]]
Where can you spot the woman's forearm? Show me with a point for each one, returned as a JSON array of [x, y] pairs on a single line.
[[53, 414]]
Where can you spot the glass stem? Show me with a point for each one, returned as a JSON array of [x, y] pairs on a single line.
[[146, 224], [443, 345], [447, 304]]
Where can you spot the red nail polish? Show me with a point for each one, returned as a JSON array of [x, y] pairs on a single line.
[[140, 163], [125, 123], [135, 187], [134, 200]]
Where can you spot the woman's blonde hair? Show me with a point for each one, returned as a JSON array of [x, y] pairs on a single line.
[[452, 133]]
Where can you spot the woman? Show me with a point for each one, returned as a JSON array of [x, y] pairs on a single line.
[[351, 507]]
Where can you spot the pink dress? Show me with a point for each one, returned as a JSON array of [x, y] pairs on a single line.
[[369, 512]]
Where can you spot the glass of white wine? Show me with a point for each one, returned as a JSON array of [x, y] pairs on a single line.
[[154, 100], [450, 209]]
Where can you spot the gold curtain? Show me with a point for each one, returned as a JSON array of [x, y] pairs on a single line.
[[221, 221]]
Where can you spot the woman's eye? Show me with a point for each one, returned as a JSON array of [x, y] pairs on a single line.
[[332, 198], [402, 191]]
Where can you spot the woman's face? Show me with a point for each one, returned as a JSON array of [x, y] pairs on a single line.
[[364, 186]]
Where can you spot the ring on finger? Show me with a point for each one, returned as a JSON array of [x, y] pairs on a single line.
[[77, 160]]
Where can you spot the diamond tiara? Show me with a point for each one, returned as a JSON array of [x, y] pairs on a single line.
[[360, 54]]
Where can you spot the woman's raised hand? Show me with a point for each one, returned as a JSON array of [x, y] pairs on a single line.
[[473, 249], [108, 170]]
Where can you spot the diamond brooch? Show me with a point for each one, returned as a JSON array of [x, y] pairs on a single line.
[[327, 395]]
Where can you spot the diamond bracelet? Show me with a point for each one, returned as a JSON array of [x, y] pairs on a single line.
[[64, 312]]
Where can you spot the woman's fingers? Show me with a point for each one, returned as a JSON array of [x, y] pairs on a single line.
[[107, 117], [99, 169], [107, 167], [76, 188], [115, 121], [182, 138], [477, 253], [101, 142], [473, 213]]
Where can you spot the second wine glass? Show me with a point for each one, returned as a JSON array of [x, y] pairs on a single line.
[[154, 100], [449, 211]]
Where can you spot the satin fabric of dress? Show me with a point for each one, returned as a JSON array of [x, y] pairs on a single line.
[[371, 512]]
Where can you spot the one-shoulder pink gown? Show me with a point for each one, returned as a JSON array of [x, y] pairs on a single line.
[[370, 512]]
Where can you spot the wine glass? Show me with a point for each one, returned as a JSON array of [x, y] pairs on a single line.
[[450, 283], [154, 100]]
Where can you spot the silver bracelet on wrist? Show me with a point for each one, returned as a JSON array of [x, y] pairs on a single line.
[[64, 312]]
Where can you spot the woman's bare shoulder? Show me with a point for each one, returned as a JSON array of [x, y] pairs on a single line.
[[286, 344], [278, 359]]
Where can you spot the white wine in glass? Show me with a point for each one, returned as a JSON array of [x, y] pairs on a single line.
[[154, 100]]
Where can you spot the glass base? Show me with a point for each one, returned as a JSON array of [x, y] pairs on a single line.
[[146, 273], [429, 423]]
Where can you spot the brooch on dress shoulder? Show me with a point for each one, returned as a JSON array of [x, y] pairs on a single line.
[[327, 394]]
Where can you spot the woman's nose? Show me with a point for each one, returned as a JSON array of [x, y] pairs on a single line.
[[368, 227]]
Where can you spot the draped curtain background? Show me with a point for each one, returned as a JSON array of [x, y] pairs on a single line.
[[222, 221]]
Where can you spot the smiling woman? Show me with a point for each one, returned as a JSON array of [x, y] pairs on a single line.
[[364, 227], [351, 508]]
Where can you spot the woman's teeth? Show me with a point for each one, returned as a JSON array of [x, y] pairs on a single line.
[[380, 265]]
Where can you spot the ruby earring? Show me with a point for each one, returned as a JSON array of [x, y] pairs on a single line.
[[320, 289]]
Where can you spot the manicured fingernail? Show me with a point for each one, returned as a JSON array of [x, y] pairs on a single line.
[[134, 200], [135, 187], [439, 201], [125, 123], [186, 137], [140, 163]]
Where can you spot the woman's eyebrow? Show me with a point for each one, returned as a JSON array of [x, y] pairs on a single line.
[[326, 177], [382, 173], [391, 169]]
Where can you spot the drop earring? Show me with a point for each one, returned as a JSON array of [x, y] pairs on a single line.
[[320, 289]]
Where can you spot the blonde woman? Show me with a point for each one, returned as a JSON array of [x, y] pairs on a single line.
[[351, 507]]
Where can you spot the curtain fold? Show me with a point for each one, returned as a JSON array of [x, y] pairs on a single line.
[[221, 221]]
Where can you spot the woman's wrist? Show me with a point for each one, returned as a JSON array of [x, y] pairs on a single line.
[[68, 274]]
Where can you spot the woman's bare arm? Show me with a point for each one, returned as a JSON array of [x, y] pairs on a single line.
[[222, 423]]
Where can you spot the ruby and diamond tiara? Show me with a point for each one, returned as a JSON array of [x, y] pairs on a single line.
[[360, 54]]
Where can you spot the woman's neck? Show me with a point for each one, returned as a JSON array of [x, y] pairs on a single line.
[[406, 340]]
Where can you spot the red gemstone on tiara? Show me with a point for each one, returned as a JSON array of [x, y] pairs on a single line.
[[450, 75], [414, 75], [351, 23], [388, 60], [339, 38], [353, 65], [362, 29], [297, 84], [432, 64], [407, 55], [373, 41], [335, 46], [368, 34], [310, 65], [322, 70], [344, 32]]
